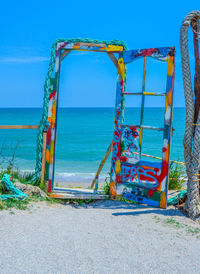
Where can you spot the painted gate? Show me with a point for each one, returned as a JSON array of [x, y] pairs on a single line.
[[135, 179], [62, 50]]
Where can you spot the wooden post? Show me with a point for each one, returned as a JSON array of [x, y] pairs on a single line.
[[102, 164], [43, 155], [196, 33], [18, 127], [113, 59], [64, 54], [101, 45]]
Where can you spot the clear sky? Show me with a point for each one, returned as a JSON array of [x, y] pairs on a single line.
[[28, 29]]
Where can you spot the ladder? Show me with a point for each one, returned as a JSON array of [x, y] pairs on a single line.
[[133, 178]]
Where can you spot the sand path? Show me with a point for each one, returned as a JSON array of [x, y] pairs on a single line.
[[103, 237]]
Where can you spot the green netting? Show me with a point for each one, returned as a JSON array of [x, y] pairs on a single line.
[[175, 199], [16, 193]]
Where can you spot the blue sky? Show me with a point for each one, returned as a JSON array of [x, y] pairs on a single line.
[[28, 28]]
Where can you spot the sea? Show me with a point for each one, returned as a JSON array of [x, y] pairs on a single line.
[[83, 136]]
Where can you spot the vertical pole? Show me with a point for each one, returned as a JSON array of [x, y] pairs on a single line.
[[96, 185], [167, 133], [43, 155], [96, 178], [116, 147], [195, 29], [142, 107], [54, 111]]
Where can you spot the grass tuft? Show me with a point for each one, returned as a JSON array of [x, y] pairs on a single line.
[[106, 185], [173, 222], [176, 179]]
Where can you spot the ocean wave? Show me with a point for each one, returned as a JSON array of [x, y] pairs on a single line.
[[77, 177]]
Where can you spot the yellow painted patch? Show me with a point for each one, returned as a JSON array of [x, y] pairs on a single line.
[[170, 66], [121, 68], [114, 48], [148, 93], [163, 200], [118, 167], [51, 152]]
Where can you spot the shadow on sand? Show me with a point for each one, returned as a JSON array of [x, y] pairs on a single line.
[[120, 208]]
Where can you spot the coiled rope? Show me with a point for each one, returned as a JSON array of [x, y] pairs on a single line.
[[192, 133], [43, 122]]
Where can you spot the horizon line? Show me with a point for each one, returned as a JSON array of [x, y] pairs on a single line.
[[87, 107]]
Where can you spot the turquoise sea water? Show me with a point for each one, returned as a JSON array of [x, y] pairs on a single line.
[[83, 136]]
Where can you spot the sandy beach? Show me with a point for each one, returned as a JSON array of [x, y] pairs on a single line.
[[75, 184], [102, 237]]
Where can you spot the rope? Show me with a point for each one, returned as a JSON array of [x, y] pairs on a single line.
[[193, 124], [43, 122], [16, 193], [192, 134]]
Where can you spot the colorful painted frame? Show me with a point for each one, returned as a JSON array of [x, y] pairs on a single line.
[[63, 48], [141, 181]]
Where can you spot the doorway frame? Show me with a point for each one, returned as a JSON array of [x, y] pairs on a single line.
[[62, 50]]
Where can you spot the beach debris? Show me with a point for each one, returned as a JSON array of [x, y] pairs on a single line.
[[180, 197], [16, 193]]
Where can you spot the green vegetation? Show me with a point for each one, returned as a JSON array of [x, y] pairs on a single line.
[[19, 176], [81, 202], [176, 179], [188, 229], [127, 201], [157, 219], [193, 231], [8, 165], [2, 189], [20, 204], [173, 222], [106, 185]]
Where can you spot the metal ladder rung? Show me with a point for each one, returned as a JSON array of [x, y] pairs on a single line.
[[145, 93], [144, 127]]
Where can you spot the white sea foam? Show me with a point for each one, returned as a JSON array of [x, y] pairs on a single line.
[[77, 177], [72, 176]]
